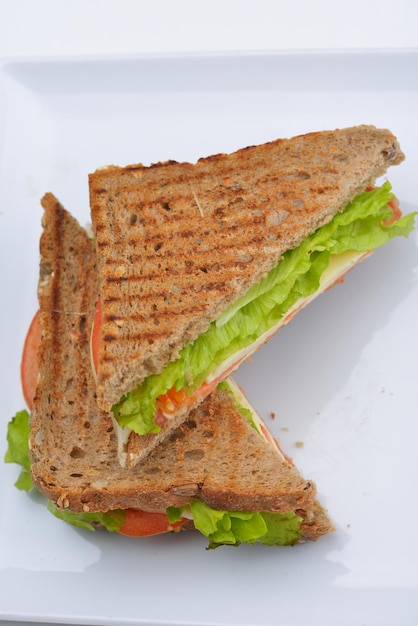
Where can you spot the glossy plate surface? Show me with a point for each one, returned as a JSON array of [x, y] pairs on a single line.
[[340, 380]]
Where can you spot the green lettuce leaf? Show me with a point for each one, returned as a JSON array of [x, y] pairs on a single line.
[[283, 529], [360, 227], [236, 527], [111, 521], [18, 449], [174, 514]]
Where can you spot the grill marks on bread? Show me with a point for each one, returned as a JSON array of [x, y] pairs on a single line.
[[177, 242], [214, 455], [64, 302], [67, 265]]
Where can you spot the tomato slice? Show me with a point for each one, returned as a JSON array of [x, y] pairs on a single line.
[[29, 363], [168, 403], [396, 212], [145, 524]]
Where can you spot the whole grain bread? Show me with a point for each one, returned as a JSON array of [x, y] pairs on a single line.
[[178, 242], [215, 455]]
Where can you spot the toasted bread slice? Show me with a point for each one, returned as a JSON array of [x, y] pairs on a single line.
[[178, 242], [215, 455]]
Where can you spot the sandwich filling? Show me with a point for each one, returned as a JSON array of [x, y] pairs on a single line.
[[220, 527], [368, 222]]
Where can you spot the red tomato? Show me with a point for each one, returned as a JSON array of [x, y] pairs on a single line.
[[29, 363], [145, 524], [396, 212], [169, 402]]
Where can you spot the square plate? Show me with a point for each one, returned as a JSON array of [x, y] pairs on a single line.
[[340, 380]]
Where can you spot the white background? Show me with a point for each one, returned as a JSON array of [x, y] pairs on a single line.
[[46, 28]]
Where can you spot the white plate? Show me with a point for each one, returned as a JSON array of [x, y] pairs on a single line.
[[342, 378]]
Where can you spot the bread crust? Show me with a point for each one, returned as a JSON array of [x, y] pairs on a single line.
[[215, 455], [178, 242]]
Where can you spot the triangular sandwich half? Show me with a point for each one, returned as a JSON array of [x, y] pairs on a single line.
[[216, 472], [199, 264]]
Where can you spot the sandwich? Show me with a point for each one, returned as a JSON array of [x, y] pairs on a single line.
[[200, 264], [220, 472]]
